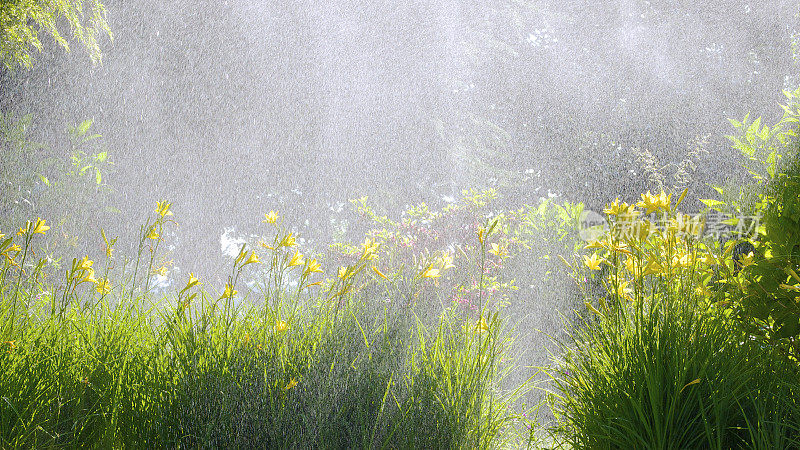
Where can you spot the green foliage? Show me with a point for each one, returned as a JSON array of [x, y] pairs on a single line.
[[672, 376], [656, 361], [22, 21], [766, 304], [38, 179]]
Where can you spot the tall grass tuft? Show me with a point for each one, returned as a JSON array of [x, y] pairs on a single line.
[[95, 357], [658, 361]]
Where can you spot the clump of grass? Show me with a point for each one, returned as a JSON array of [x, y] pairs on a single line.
[[96, 358], [658, 361]]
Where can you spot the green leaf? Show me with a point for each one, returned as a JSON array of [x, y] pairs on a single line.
[[90, 137], [711, 203], [735, 123], [764, 135], [83, 127], [789, 327], [6, 243], [98, 178], [44, 180]]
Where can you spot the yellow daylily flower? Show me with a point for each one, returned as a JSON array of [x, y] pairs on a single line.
[[652, 267], [369, 248], [152, 234], [85, 263], [593, 262], [682, 260], [192, 282], [446, 262], [597, 243], [380, 274], [40, 227], [24, 230], [481, 326], [480, 235], [12, 248], [342, 272], [297, 259], [632, 266], [252, 259], [103, 286], [280, 326], [496, 250], [709, 259], [430, 272], [288, 241], [623, 290], [313, 266], [654, 203], [271, 217], [229, 291], [161, 271], [162, 208], [703, 290], [291, 384], [621, 209], [89, 277]]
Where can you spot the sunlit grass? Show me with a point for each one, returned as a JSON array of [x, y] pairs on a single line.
[[93, 356], [659, 359]]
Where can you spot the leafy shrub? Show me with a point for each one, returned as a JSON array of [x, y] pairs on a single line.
[[766, 305], [23, 20]]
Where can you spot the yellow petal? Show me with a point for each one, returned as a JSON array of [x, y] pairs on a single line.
[[430, 273], [252, 259], [229, 291], [272, 217], [593, 262], [380, 274], [297, 259], [40, 227], [313, 266], [103, 286], [481, 326], [288, 240], [162, 208]]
